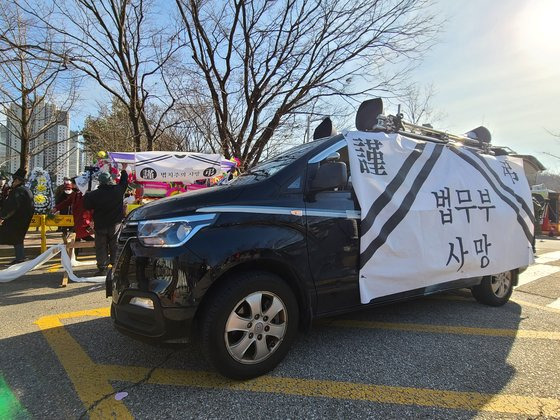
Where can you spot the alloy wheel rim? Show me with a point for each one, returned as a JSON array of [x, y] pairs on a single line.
[[255, 327], [501, 284]]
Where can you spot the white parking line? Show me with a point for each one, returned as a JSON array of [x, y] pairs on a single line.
[[535, 272], [539, 270], [555, 304], [548, 257]]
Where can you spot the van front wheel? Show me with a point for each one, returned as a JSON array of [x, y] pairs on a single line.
[[249, 324], [495, 290]]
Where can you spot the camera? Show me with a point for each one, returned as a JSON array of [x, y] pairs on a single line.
[[90, 171]]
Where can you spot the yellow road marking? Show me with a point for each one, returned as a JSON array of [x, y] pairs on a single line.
[[86, 376], [534, 305], [472, 401], [513, 299], [92, 382], [54, 268], [444, 329]]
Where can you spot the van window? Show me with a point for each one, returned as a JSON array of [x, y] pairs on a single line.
[[296, 184], [271, 166]]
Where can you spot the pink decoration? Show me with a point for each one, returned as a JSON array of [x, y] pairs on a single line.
[[193, 187], [175, 191]]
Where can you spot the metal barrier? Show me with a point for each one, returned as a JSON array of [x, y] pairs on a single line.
[[42, 221], [130, 207]]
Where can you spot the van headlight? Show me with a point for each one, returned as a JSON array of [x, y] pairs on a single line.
[[173, 232]]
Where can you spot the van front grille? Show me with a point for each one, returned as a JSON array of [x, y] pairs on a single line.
[[129, 230]]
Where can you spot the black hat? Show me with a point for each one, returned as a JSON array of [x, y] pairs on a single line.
[[20, 174]]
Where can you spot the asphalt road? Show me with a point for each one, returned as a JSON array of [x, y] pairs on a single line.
[[440, 357]]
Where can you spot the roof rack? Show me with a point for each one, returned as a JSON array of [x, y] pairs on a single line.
[[370, 117]]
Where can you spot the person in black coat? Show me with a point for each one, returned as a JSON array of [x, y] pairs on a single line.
[[4, 190], [107, 205], [15, 216]]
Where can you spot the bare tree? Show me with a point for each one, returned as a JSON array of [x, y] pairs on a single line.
[[110, 129], [264, 60], [417, 104], [126, 49], [550, 179], [554, 134], [36, 90], [196, 133]]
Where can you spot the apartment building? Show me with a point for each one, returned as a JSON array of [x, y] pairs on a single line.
[[54, 148]]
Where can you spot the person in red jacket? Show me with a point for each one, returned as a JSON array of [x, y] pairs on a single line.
[[82, 217]]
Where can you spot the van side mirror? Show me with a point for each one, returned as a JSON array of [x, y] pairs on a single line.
[[330, 175]]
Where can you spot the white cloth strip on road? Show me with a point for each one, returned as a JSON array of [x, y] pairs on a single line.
[[535, 272], [547, 258], [18, 270], [76, 263]]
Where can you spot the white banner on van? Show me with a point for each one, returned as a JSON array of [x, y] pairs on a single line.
[[433, 213]]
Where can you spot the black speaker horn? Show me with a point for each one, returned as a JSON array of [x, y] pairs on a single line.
[[325, 129], [366, 117], [481, 134]]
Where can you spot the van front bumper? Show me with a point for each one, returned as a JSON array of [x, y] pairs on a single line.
[[152, 291], [150, 322]]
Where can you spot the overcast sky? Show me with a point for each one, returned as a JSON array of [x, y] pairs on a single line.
[[498, 65]]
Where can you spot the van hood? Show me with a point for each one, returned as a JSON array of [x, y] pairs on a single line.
[[187, 203]]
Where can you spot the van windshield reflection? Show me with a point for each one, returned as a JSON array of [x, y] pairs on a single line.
[[274, 165]]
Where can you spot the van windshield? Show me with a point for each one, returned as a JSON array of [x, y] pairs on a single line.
[[271, 166]]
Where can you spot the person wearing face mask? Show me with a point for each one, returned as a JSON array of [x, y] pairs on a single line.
[[63, 195], [74, 204], [15, 215]]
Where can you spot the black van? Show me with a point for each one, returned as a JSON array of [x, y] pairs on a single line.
[[245, 265]]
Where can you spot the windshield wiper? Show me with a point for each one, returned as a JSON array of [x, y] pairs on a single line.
[[258, 172]]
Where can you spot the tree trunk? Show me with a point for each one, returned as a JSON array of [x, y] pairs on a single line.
[[24, 133], [149, 135], [136, 132], [24, 156]]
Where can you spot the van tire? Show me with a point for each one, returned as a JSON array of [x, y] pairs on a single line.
[[243, 301], [495, 290]]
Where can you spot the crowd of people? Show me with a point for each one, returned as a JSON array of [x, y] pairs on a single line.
[[97, 214]]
